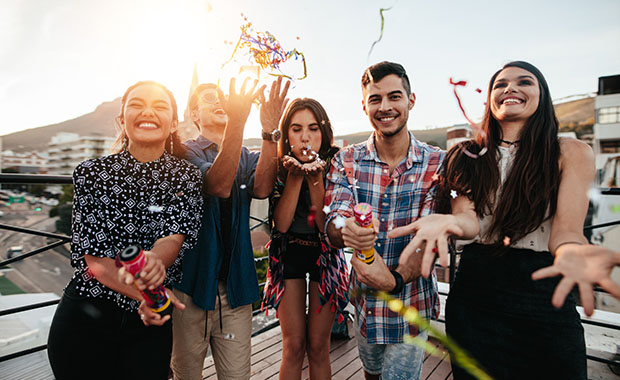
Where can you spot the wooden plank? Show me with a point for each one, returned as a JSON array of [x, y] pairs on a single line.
[[338, 348], [350, 369]]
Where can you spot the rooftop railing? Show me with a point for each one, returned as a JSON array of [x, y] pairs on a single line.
[[257, 222]]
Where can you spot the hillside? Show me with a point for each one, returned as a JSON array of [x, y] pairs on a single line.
[[100, 122], [577, 115]]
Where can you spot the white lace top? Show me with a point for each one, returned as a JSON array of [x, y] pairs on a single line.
[[538, 240]]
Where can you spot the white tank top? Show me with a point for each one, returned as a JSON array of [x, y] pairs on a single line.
[[537, 240]]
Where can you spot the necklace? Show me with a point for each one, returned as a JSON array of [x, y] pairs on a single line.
[[511, 144]]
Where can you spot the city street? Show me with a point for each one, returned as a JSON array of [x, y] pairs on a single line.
[[45, 272]]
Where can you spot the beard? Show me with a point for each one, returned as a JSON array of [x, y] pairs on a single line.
[[390, 133]]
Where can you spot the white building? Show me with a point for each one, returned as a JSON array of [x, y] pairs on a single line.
[[607, 126], [458, 133], [67, 150], [31, 162]]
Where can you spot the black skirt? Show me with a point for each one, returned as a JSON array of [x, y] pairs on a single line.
[[506, 321]]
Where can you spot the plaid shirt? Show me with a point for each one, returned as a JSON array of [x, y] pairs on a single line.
[[397, 200]]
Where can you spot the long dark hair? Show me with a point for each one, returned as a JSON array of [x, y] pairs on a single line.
[[173, 143], [529, 194], [327, 133]]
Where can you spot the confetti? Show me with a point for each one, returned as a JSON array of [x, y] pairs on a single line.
[[155, 208], [229, 336], [243, 186], [326, 210], [381, 32], [339, 222], [506, 241], [312, 216], [453, 194], [411, 315], [265, 50], [395, 305], [475, 126], [615, 208], [435, 177]]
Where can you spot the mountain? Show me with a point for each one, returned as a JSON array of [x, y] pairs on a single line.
[[577, 115], [100, 122]]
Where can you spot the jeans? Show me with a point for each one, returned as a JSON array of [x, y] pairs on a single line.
[[397, 361]]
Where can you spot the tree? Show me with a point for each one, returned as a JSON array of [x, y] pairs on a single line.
[[63, 224]]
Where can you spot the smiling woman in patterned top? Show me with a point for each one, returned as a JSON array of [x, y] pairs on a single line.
[[142, 195]]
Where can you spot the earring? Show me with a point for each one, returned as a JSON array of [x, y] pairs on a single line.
[[125, 142], [171, 145]]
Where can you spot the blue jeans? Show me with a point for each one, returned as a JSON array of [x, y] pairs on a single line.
[[398, 361]]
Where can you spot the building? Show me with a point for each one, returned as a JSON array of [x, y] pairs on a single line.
[[67, 150], [458, 133], [31, 163], [606, 141]]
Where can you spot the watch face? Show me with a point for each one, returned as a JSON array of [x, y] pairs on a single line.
[[276, 135]]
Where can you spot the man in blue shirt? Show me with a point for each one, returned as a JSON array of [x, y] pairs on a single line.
[[219, 277]]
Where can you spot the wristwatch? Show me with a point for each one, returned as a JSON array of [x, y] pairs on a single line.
[[273, 136]]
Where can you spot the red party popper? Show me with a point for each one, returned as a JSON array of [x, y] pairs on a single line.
[[134, 259], [363, 218]]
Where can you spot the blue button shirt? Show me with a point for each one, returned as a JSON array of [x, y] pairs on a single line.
[[201, 264]]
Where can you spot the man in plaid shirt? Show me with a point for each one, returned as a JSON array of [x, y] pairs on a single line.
[[397, 175]]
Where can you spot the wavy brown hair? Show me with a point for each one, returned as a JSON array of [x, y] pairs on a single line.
[[327, 133], [173, 142], [529, 194]]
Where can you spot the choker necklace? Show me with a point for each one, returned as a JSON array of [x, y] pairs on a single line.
[[511, 144]]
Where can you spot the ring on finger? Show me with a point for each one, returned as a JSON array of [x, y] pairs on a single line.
[[418, 250]]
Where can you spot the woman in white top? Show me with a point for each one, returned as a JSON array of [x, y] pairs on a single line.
[[518, 194]]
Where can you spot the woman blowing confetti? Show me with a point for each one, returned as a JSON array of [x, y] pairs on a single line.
[[297, 247], [521, 204]]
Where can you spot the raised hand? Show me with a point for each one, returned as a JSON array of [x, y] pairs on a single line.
[[272, 108], [238, 105], [584, 266]]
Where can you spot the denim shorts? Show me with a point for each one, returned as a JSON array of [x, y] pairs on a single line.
[[398, 361]]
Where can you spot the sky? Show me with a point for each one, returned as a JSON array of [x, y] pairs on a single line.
[[60, 59]]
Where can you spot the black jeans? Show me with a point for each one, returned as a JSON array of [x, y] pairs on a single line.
[[505, 320], [93, 338]]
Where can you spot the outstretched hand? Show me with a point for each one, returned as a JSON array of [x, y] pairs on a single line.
[[238, 104], [431, 237], [271, 109], [584, 266]]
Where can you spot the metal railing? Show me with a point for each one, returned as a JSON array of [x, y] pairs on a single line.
[[62, 239]]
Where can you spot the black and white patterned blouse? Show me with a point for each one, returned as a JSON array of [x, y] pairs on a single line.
[[121, 201]]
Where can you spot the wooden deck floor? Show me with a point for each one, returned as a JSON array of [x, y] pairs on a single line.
[[266, 357], [345, 363]]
